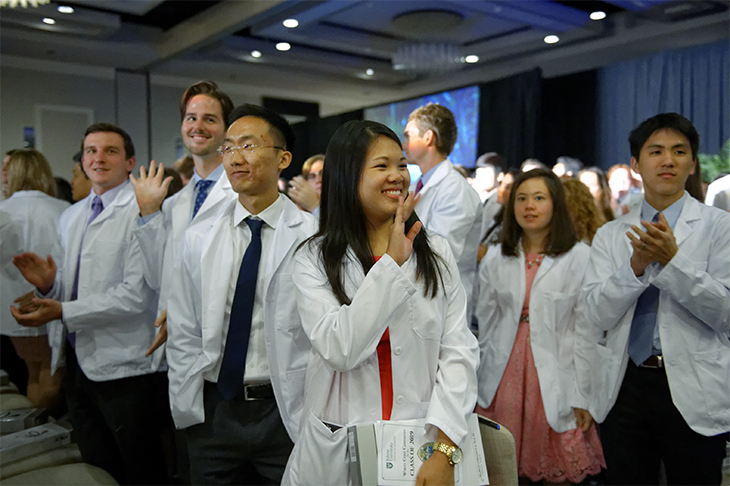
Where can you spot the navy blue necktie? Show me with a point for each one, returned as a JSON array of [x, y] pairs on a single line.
[[230, 379], [641, 336], [202, 186]]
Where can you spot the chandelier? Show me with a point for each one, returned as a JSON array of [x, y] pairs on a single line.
[[22, 3], [425, 56]]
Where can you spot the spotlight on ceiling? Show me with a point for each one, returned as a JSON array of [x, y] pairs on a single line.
[[49, 21], [283, 46], [471, 59], [256, 54], [551, 39], [369, 72], [65, 9], [598, 15], [290, 23]]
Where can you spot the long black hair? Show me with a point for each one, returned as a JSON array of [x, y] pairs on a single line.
[[562, 235], [341, 215]]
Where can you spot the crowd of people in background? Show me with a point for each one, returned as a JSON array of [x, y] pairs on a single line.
[[212, 323]]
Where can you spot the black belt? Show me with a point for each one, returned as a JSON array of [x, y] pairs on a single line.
[[653, 362]]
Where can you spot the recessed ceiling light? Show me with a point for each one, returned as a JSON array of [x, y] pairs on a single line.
[[598, 15], [283, 46], [369, 72], [471, 59], [48, 21], [65, 9], [290, 23], [551, 39], [256, 54]]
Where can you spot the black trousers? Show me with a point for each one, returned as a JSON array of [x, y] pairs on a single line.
[[118, 424], [240, 442], [644, 428]]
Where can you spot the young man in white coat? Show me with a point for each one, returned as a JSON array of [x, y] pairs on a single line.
[[116, 395], [204, 111], [658, 293], [448, 205], [236, 350]]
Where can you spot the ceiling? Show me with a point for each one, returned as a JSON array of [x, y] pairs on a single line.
[[338, 42]]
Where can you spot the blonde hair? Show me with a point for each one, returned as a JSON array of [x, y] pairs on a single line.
[[307, 165], [440, 120], [28, 170], [582, 208]]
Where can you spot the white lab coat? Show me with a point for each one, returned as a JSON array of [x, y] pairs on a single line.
[[197, 306], [113, 317], [554, 308], [450, 207], [37, 214], [159, 239], [693, 314], [434, 356]]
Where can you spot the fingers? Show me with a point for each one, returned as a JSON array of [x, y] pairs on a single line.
[[415, 229], [142, 173], [161, 319]]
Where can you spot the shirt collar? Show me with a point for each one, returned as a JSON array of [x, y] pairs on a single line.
[[425, 177], [213, 176], [270, 215], [671, 213], [109, 196]]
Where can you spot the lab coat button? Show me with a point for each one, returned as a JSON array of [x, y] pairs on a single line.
[[398, 350], [399, 399]]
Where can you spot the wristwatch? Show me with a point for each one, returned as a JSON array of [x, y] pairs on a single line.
[[452, 452]]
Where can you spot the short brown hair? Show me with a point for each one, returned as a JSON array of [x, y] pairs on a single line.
[[28, 170], [440, 121], [185, 166], [207, 88], [108, 127]]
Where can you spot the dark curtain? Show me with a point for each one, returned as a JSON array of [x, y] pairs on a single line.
[[509, 115], [313, 136], [568, 118]]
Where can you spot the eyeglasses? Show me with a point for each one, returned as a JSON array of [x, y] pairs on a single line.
[[247, 148]]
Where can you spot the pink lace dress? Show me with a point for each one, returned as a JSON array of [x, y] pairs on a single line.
[[542, 453]]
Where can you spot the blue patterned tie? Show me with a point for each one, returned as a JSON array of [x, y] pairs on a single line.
[[641, 337], [97, 206], [202, 187], [230, 379]]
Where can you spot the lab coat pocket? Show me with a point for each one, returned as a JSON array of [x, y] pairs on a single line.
[[562, 306], [713, 371], [320, 455]]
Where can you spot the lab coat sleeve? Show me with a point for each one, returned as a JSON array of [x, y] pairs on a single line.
[[346, 335], [130, 297], [151, 239], [185, 342], [453, 218], [582, 338], [455, 391], [703, 288], [610, 287]]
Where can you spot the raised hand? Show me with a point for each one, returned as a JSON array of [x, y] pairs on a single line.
[[302, 193], [161, 337], [150, 189], [655, 244], [36, 270], [400, 244]]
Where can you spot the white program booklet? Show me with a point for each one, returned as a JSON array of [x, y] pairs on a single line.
[[401, 448]]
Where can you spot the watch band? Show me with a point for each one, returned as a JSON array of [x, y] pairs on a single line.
[[448, 450]]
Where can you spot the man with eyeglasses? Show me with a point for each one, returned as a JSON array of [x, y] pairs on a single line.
[[237, 353], [204, 110]]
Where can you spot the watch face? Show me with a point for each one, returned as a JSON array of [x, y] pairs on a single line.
[[456, 456]]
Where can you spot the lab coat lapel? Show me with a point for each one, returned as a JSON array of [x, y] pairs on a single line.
[[690, 213], [285, 238], [181, 211]]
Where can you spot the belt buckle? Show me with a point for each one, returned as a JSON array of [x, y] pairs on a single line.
[[659, 363], [246, 388]]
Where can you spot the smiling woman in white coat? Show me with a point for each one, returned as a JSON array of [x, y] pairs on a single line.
[[527, 309], [31, 204], [384, 309]]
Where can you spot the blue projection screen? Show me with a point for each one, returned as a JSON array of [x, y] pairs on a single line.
[[463, 103]]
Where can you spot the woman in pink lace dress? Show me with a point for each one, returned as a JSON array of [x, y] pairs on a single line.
[[527, 309]]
